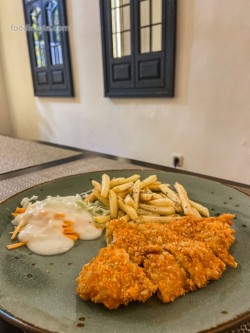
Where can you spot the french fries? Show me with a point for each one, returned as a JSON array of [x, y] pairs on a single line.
[[143, 200], [105, 185], [169, 210], [113, 205], [185, 203], [201, 209], [122, 187], [127, 209]]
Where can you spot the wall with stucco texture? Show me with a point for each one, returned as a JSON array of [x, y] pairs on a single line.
[[208, 120], [5, 117]]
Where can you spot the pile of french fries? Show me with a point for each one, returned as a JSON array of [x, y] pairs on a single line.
[[141, 201]]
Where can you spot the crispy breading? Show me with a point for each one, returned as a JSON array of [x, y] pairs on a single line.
[[128, 237], [172, 258], [197, 260], [112, 279], [215, 232], [171, 279], [158, 233]]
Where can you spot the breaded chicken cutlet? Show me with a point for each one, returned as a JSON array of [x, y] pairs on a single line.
[[113, 279], [198, 261], [171, 279], [215, 232], [172, 259], [127, 236]]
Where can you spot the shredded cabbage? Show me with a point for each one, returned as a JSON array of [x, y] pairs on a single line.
[[95, 208], [28, 201]]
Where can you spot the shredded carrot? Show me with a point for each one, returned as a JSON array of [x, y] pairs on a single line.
[[20, 210], [18, 229], [68, 230], [73, 237], [15, 245], [59, 216], [67, 223], [14, 214], [71, 233]]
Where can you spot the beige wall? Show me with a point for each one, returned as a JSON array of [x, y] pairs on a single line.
[[15, 60], [208, 121], [5, 116]]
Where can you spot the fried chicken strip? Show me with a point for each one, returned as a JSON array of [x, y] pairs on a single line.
[[198, 261], [112, 279], [215, 232], [170, 278], [127, 236]]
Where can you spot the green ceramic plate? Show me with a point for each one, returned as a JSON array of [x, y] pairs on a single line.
[[38, 292]]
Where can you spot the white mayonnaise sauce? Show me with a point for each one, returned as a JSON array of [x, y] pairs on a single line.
[[43, 224]]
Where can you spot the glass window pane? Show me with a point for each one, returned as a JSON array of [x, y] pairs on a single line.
[[52, 18], [113, 21], [156, 11], [126, 44], [145, 40], [156, 38], [116, 20], [38, 38], [144, 13], [126, 17], [117, 50], [121, 40], [114, 46], [115, 3]]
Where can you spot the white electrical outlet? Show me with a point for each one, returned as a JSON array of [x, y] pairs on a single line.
[[177, 160]]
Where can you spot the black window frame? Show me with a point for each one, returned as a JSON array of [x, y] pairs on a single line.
[[49, 80], [161, 63]]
